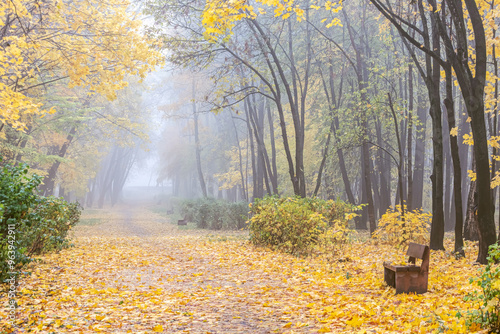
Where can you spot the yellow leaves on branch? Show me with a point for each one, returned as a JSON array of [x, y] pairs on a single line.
[[220, 16], [94, 44]]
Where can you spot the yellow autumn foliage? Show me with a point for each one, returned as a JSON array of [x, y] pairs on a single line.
[[220, 16], [394, 230], [90, 43]]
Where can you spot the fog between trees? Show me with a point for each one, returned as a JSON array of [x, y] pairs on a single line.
[[377, 110]]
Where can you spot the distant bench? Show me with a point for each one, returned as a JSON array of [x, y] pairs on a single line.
[[409, 278], [182, 221]]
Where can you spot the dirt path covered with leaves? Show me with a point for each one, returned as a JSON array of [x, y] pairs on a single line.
[[131, 271]]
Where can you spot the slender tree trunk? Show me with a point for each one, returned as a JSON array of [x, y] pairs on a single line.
[[471, 229], [447, 177], [91, 193], [296, 170], [494, 127], [464, 151], [201, 179], [105, 179], [49, 180], [457, 170], [274, 168], [362, 78], [401, 159], [333, 104], [409, 200], [384, 170], [240, 156], [324, 155], [418, 171], [437, 227], [264, 167], [255, 193]]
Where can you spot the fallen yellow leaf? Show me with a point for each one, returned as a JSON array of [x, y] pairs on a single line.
[[355, 321], [158, 329]]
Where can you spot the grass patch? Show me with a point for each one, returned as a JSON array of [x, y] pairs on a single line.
[[162, 211], [189, 226], [91, 212], [235, 236], [90, 221]]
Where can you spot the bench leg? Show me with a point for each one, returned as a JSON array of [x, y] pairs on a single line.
[[390, 277]]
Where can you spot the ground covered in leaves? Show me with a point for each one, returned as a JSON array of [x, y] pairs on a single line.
[[131, 271]]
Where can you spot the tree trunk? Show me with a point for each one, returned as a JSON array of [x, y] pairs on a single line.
[[240, 156], [409, 200], [49, 180], [274, 167], [418, 169], [472, 87], [201, 179], [471, 229], [362, 80], [255, 193], [384, 170], [457, 170], [437, 227]]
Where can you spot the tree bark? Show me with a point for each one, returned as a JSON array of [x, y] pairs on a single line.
[[471, 229], [472, 87], [49, 180], [409, 199], [437, 227], [420, 152], [457, 170], [201, 179]]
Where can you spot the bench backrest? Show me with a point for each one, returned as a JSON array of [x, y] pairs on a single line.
[[417, 251]]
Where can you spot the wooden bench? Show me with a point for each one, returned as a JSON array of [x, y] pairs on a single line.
[[182, 221], [409, 278]]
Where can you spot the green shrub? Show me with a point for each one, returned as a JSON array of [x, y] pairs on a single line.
[[209, 213], [488, 314], [237, 215], [53, 218], [29, 224], [295, 225], [17, 196]]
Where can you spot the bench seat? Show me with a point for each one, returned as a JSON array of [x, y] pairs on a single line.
[[409, 278]]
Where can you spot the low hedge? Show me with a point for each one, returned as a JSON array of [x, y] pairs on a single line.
[[209, 213]]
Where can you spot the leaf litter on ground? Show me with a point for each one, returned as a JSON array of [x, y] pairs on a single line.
[[170, 280]]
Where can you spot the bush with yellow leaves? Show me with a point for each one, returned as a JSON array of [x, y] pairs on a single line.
[[295, 225], [394, 230], [337, 236]]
